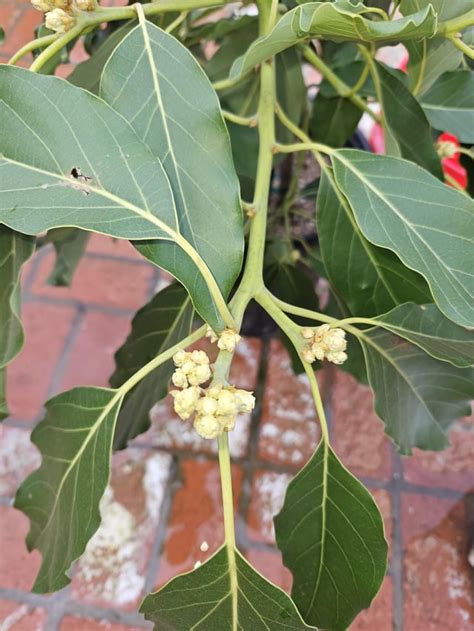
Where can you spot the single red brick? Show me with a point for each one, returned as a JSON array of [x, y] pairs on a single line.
[[15, 616], [23, 29], [99, 281], [358, 436], [452, 468], [91, 361], [268, 494], [289, 431], [112, 571], [196, 526], [29, 376], [379, 615], [270, 565], [18, 457], [18, 568], [70, 623], [169, 431], [437, 586], [102, 244]]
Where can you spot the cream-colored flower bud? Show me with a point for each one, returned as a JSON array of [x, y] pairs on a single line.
[[245, 401], [338, 357], [211, 335], [199, 374], [227, 403], [335, 340], [179, 378], [43, 5], [199, 357], [180, 357], [87, 5], [206, 406], [214, 391], [207, 426], [308, 355], [58, 20], [307, 333], [228, 340], [227, 423], [188, 366], [318, 351], [185, 401], [320, 331]]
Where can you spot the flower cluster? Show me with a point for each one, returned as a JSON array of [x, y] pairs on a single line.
[[61, 14], [324, 342], [215, 408], [226, 341]]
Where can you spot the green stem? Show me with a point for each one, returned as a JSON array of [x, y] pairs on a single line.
[[41, 42], [292, 330], [455, 25], [161, 359], [227, 84], [175, 23], [245, 121], [229, 528], [467, 50], [340, 86], [302, 146], [57, 45]]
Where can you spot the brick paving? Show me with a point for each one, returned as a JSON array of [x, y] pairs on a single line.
[[163, 503]]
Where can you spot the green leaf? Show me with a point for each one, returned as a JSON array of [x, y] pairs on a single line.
[[70, 245], [44, 182], [333, 120], [181, 122], [160, 324], [399, 206], [416, 396], [331, 535], [430, 58], [15, 250], [349, 73], [88, 73], [370, 280], [407, 123], [449, 104], [61, 498], [216, 597], [427, 327], [337, 21]]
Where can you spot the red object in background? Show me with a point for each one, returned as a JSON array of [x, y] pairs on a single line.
[[452, 166]]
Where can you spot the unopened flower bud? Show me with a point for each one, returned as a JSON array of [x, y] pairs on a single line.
[[227, 423], [228, 340], [337, 357], [199, 357], [318, 351], [308, 355], [211, 335], [207, 426], [43, 5], [227, 403], [307, 333], [206, 405], [86, 5], [179, 358], [185, 401], [245, 401], [179, 378], [199, 374], [58, 20]]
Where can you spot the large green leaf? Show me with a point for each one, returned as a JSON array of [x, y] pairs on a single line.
[[15, 249], [401, 207], [337, 21], [218, 597], [331, 536], [180, 120], [61, 498], [69, 135], [370, 280], [426, 326], [87, 74], [407, 123], [416, 396], [333, 120], [431, 57], [449, 104], [160, 324]]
